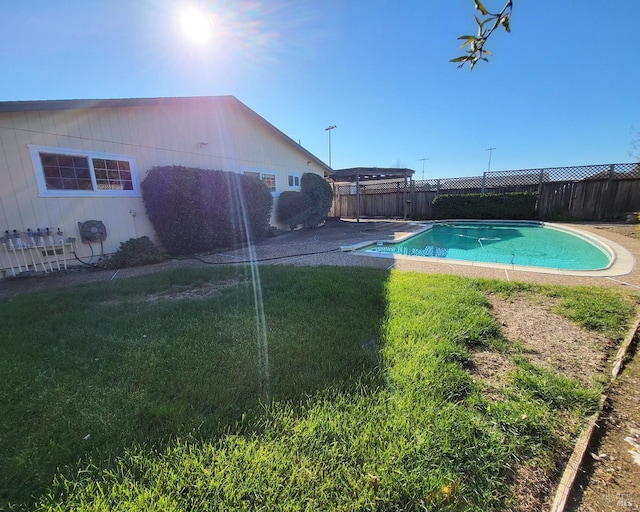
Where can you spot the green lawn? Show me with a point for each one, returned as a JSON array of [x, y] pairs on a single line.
[[319, 389]]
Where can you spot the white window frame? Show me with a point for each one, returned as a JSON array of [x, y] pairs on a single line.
[[295, 178], [262, 175], [35, 151]]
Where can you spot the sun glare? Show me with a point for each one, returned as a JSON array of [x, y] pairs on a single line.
[[196, 24]]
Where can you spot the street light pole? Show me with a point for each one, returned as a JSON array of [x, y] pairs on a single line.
[[328, 129], [490, 150]]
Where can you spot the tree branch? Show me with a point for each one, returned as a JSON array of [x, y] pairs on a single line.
[[476, 51]]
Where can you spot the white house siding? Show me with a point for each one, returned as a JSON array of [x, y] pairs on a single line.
[[235, 138]]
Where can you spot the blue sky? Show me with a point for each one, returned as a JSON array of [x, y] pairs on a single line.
[[560, 89]]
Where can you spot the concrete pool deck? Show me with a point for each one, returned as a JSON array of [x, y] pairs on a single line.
[[323, 246], [623, 272], [622, 261]]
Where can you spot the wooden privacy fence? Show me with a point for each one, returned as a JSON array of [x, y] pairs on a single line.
[[592, 192]]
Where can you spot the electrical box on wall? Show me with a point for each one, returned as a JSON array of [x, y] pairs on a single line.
[[92, 231]]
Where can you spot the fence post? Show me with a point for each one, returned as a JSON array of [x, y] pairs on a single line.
[[540, 182], [484, 182], [538, 205], [412, 197], [364, 202], [405, 195], [609, 198]]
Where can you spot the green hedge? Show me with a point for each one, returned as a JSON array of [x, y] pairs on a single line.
[[516, 205], [195, 210]]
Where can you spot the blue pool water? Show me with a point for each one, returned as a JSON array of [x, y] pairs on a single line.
[[512, 243]]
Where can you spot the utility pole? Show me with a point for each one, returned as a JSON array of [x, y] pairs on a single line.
[[422, 160], [329, 129], [490, 150]]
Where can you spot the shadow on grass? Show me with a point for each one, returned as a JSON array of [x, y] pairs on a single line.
[[93, 370]]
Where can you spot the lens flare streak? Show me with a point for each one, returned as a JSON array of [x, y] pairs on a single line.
[[261, 324]]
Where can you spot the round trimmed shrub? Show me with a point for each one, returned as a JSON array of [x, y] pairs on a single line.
[[319, 192], [292, 208]]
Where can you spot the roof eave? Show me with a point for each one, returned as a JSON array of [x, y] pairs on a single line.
[[45, 105]]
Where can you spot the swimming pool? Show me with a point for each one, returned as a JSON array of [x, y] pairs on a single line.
[[513, 243]]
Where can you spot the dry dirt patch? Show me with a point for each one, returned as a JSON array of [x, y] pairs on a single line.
[[202, 292], [197, 293], [490, 369], [550, 340], [630, 230]]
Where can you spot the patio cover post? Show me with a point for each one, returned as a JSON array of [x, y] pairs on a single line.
[[405, 197], [357, 196]]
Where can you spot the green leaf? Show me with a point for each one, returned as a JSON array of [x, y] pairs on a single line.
[[504, 21], [464, 58], [480, 7], [470, 40]]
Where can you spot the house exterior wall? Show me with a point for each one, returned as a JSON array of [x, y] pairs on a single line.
[[214, 133]]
